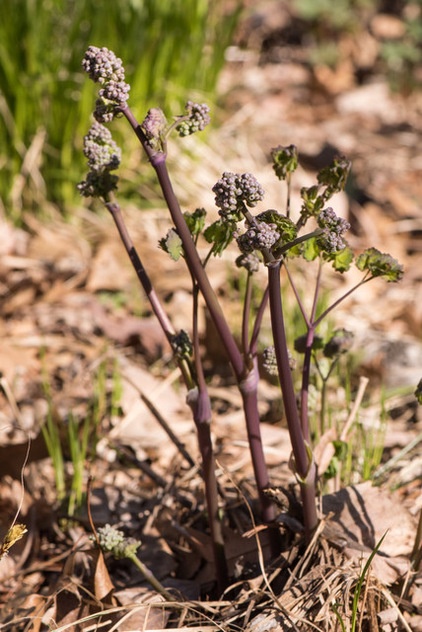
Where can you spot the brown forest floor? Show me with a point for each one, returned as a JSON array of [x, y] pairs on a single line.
[[74, 347]]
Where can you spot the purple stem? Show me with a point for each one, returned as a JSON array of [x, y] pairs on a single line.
[[193, 261], [304, 466], [202, 415], [247, 380], [142, 275], [245, 316], [258, 321], [304, 391], [200, 404], [341, 299], [306, 369]]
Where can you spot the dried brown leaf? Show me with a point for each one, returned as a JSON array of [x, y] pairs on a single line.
[[143, 606], [103, 586]]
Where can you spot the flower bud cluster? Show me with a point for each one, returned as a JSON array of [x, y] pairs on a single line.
[[105, 68], [340, 342], [260, 236], [114, 541], [196, 119], [269, 361], [234, 191], [182, 344], [103, 156], [154, 127], [98, 184], [100, 148], [333, 227], [249, 261]]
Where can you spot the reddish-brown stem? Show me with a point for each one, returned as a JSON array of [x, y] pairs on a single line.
[[304, 465], [141, 273], [201, 409], [246, 315], [245, 376]]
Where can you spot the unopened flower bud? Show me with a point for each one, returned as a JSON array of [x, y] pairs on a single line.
[[340, 342], [196, 119]]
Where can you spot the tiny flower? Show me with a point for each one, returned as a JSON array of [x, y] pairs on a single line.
[[333, 227], [98, 184], [234, 191], [269, 361], [105, 68], [115, 91], [102, 65], [196, 119], [109, 537], [249, 261], [252, 191], [113, 541], [100, 149], [182, 344], [154, 127], [103, 156], [260, 236]]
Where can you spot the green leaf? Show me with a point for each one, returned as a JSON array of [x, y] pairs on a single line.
[[310, 249], [195, 221], [220, 234], [172, 244], [313, 203], [341, 260], [334, 177], [380, 265], [285, 160]]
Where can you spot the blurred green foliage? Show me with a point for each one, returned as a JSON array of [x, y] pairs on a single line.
[[339, 15], [168, 47]]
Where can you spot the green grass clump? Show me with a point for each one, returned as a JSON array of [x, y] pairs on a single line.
[[45, 103], [71, 442]]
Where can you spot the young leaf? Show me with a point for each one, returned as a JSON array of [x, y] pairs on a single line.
[[285, 160], [313, 203], [310, 249], [172, 244], [380, 264], [341, 260], [300, 343], [195, 221], [220, 234], [335, 176]]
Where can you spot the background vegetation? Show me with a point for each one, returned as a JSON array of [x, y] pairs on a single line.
[[167, 47]]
